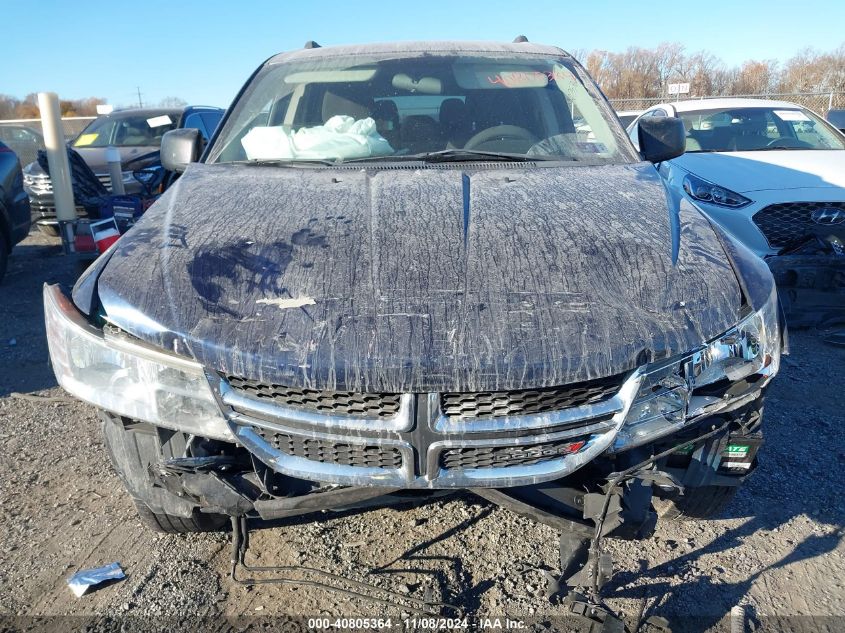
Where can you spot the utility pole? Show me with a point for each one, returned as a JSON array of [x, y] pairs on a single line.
[[140, 103]]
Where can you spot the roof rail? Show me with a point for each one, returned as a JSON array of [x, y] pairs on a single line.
[[311, 44], [520, 39]]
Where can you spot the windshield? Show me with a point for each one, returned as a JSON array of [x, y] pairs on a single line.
[[757, 129], [126, 131], [386, 107]]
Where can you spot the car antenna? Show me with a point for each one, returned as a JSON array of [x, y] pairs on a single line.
[[520, 39], [311, 44]]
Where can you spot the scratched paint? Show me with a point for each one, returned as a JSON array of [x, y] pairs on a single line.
[[542, 276]]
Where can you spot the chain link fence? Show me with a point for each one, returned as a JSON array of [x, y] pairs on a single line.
[[819, 102]]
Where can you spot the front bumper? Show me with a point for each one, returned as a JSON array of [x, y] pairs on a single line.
[[403, 441]]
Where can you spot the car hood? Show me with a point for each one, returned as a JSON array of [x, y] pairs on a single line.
[[776, 169], [433, 279]]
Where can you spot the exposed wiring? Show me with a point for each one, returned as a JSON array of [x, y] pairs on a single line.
[[240, 544], [613, 482]]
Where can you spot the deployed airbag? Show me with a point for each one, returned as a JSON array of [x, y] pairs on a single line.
[[341, 137]]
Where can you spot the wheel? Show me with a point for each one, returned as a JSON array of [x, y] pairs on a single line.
[[132, 447], [698, 503], [170, 524]]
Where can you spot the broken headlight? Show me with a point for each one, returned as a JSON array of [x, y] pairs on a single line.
[[126, 378], [675, 392]]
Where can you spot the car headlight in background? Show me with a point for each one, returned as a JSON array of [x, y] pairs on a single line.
[[705, 191], [673, 393], [128, 379]]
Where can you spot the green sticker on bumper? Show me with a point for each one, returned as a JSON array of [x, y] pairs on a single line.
[[736, 450]]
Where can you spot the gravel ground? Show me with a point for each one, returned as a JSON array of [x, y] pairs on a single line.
[[778, 550]]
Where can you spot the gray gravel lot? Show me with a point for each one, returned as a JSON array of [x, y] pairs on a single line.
[[778, 550]]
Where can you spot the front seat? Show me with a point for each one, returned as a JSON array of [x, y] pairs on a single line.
[[386, 115], [335, 104], [455, 122], [420, 133]]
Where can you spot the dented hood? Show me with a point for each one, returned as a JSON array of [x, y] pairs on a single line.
[[419, 280]]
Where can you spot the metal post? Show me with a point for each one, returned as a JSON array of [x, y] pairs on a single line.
[[830, 101], [54, 143], [115, 170]]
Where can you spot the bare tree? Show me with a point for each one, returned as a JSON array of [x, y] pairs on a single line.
[[172, 102], [755, 78]]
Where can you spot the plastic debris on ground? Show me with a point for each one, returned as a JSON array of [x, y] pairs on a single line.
[[84, 579]]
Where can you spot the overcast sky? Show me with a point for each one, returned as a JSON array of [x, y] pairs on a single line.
[[203, 51]]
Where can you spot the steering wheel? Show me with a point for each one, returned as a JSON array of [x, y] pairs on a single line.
[[501, 133], [788, 141]]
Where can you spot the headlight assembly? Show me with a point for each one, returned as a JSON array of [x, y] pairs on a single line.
[[705, 191], [126, 378], [721, 373]]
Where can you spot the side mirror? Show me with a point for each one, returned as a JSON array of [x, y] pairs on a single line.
[[661, 138], [180, 147]]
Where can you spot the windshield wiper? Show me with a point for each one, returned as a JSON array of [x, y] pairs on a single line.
[[468, 155], [283, 162], [776, 148], [455, 156]]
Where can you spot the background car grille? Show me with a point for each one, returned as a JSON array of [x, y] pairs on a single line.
[[332, 452], [786, 222], [370, 405], [501, 456], [488, 404], [39, 184], [105, 179]]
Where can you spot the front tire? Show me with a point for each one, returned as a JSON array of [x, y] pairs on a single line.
[[132, 447], [705, 502], [169, 524]]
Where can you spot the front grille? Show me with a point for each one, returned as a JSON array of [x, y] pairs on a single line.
[[40, 184], [788, 221], [332, 452], [489, 404], [105, 179], [501, 456], [369, 405]]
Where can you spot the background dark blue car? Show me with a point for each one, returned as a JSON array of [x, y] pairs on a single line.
[[14, 205]]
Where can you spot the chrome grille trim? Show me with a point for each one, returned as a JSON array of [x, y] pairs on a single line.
[[320, 471], [574, 415], [105, 179], [402, 421], [421, 448]]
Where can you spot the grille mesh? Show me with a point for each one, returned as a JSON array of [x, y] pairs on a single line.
[[369, 405], [488, 404], [501, 456], [330, 452], [785, 222]]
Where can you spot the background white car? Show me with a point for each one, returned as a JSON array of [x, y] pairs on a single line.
[[771, 173]]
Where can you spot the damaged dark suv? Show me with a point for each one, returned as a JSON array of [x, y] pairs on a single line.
[[401, 270]]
